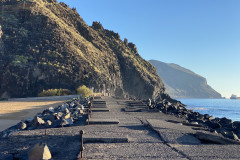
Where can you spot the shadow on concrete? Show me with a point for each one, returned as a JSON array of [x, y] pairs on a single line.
[[135, 127], [61, 147], [188, 139]]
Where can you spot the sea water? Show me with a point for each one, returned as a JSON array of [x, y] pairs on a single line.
[[229, 108]]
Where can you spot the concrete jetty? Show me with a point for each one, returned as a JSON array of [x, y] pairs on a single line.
[[137, 135]]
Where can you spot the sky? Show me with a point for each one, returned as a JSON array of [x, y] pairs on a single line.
[[200, 35]]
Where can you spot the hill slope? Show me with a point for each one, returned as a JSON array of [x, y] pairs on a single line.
[[183, 83], [45, 44]]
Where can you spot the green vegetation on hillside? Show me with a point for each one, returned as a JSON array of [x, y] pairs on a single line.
[[84, 91], [46, 44], [54, 92]]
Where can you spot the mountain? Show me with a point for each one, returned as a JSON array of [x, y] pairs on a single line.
[[183, 83], [45, 44]]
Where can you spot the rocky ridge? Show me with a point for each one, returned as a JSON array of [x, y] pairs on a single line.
[[183, 83], [45, 44]]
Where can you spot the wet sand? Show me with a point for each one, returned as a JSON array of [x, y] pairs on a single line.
[[15, 110]]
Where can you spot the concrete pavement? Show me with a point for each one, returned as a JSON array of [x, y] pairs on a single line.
[[152, 135]]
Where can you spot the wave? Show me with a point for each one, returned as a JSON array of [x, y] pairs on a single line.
[[217, 107], [224, 109], [197, 108]]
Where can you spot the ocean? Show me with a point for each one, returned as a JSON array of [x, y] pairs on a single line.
[[216, 107]]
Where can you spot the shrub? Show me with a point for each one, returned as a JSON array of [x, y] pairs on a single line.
[[54, 92], [84, 91]]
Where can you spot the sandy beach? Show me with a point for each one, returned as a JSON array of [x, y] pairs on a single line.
[[15, 110]]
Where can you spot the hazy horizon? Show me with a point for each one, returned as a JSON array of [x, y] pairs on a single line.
[[200, 35]]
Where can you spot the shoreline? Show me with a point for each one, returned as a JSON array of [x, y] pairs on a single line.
[[11, 119], [216, 107], [150, 134], [224, 126]]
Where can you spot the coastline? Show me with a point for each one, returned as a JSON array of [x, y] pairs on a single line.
[[150, 134], [216, 107]]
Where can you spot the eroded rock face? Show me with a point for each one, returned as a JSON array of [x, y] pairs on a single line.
[[48, 45], [188, 83]]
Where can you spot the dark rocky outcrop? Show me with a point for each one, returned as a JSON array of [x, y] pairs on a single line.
[[45, 44], [223, 126], [183, 83]]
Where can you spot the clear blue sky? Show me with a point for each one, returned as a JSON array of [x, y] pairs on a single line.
[[201, 35]]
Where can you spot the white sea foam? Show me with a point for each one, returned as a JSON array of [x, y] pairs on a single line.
[[215, 107], [197, 108]]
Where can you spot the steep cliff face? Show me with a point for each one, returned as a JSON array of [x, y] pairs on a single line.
[[183, 83], [45, 44]]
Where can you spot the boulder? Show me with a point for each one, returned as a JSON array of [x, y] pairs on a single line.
[[82, 107], [67, 116], [168, 103], [194, 123], [22, 125], [56, 123], [235, 137], [216, 119], [185, 112], [191, 116], [48, 123], [75, 113], [72, 104], [181, 108], [60, 114], [39, 152], [60, 123], [64, 123], [48, 111], [36, 122], [70, 121], [225, 120], [229, 134], [200, 117], [211, 118], [236, 124], [206, 116], [66, 111], [51, 109], [81, 112], [57, 117], [226, 123], [50, 117], [215, 138], [213, 125], [63, 106]]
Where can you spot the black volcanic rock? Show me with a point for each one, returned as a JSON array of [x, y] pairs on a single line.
[[183, 83], [45, 44]]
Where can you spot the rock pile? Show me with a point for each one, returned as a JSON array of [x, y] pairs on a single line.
[[224, 126], [62, 116]]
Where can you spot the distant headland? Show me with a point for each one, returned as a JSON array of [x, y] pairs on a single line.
[[234, 97]]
